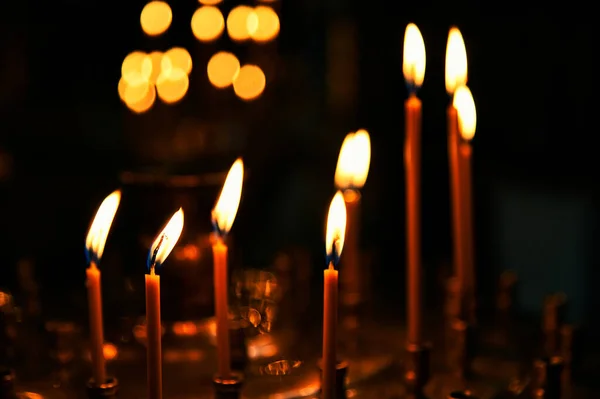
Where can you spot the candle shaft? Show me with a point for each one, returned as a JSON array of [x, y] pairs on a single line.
[[412, 157], [351, 260], [221, 308], [330, 308], [96, 324], [465, 151], [153, 336]]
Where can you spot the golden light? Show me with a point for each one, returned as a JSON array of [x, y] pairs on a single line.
[[145, 103], [222, 69], [100, 227], [237, 22], [249, 83], [166, 240], [156, 58], [467, 113], [354, 161], [210, 2], [136, 67], [263, 24], [336, 226], [135, 91], [226, 208], [207, 23], [177, 57], [413, 64], [156, 18], [456, 61], [172, 85]]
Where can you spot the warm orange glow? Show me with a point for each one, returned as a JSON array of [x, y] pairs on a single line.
[[156, 58], [249, 83], [237, 22], [456, 61], [134, 92], [166, 240], [354, 161], [210, 2], [413, 65], [226, 208], [185, 328], [100, 227], [145, 103], [177, 57], [207, 23], [263, 24], [336, 226], [156, 18], [136, 66], [467, 113], [222, 69], [172, 85]]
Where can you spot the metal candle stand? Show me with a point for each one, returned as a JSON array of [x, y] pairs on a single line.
[[228, 388], [341, 372], [416, 370], [109, 389]]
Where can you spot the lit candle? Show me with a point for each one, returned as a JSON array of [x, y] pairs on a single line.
[[223, 216], [334, 242], [350, 177], [456, 76], [94, 245], [413, 67], [161, 248]]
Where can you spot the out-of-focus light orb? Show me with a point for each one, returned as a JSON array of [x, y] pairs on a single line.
[[222, 69], [136, 65], [237, 23], [156, 17], [145, 103], [172, 85], [156, 58], [263, 24], [177, 57], [207, 23], [131, 91], [210, 2], [249, 83]]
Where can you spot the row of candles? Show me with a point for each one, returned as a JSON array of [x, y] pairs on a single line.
[[351, 174]]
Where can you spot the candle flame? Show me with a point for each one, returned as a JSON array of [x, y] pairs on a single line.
[[336, 228], [96, 238], [413, 65], [165, 241], [226, 208], [467, 113], [456, 61], [354, 160]]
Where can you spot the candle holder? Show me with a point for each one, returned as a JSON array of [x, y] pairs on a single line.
[[107, 390], [416, 370], [465, 347], [228, 388], [341, 372]]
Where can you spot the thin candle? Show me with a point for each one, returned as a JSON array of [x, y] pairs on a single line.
[[94, 245], [223, 216], [413, 67], [161, 248], [334, 242]]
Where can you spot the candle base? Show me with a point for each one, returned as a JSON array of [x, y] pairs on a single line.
[[416, 371], [228, 388], [341, 372], [107, 390], [465, 347], [461, 395]]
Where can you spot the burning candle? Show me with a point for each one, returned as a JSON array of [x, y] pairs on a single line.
[[161, 248], [334, 242], [413, 67], [94, 245], [350, 177], [223, 216]]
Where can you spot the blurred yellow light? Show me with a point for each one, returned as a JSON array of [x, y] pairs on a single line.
[[263, 24], [210, 2], [156, 18], [222, 69], [143, 104], [133, 91], [237, 22], [177, 57], [207, 23], [249, 83], [136, 65], [156, 58], [172, 85]]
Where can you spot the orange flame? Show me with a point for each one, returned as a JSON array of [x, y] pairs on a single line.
[[165, 241], [413, 65], [336, 227], [467, 113], [354, 160], [456, 61], [100, 227], [226, 208]]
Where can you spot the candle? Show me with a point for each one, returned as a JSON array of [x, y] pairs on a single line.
[[94, 245], [413, 67], [334, 242], [161, 248], [350, 177], [223, 216]]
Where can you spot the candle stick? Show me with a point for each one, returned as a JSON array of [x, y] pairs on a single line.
[[94, 245], [350, 176], [414, 72], [334, 242], [223, 216], [161, 248]]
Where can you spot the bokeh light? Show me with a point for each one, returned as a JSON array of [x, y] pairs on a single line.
[[222, 69], [249, 83], [172, 85], [237, 23], [207, 23], [263, 24], [177, 57], [136, 66], [145, 103], [210, 2], [138, 97], [156, 17], [156, 58]]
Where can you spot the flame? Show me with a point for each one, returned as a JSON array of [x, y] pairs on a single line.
[[456, 61], [226, 208], [413, 65], [336, 227], [467, 113], [165, 242], [96, 238], [354, 160]]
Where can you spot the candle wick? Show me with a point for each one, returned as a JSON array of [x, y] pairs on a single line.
[[163, 237]]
